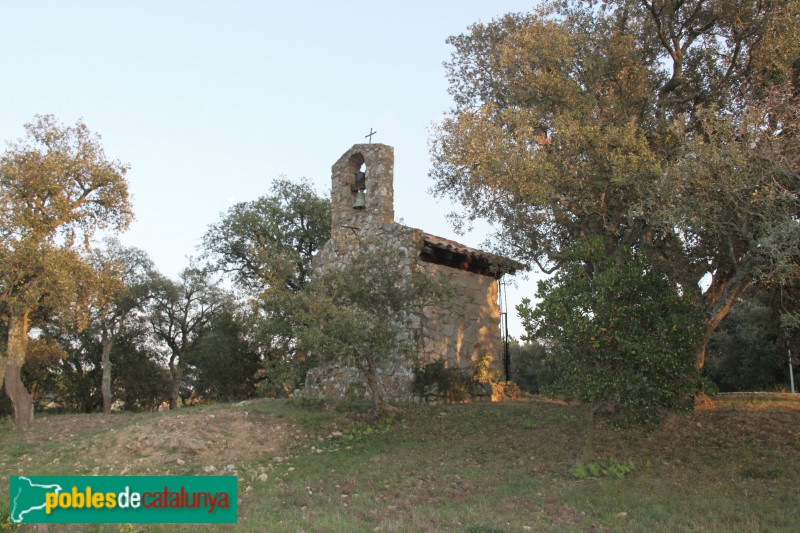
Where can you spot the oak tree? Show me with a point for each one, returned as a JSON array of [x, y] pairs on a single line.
[[666, 126], [57, 188], [120, 290], [181, 313], [266, 246], [270, 241]]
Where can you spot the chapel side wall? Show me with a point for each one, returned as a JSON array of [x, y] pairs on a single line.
[[469, 327], [460, 333]]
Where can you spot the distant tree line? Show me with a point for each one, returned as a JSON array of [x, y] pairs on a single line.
[[91, 325], [749, 352]]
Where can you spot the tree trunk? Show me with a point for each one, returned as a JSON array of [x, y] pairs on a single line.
[[719, 311], [374, 388], [106, 343], [588, 444], [176, 373], [17, 349]]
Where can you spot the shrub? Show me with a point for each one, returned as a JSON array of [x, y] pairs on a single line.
[[435, 380]]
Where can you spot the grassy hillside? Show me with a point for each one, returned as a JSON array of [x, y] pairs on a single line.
[[733, 465]]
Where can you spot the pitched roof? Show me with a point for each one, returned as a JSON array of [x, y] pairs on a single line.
[[495, 265]]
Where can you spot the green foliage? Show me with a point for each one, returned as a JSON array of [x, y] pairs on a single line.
[[484, 529], [57, 182], [273, 329], [359, 432], [355, 391], [266, 246], [621, 335], [308, 403], [225, 363], [609, 468], [748, 352], [669, 127], [531, 366], [5, 522], [270, 242], [57, 189], [120, 290], [436, 380], [140, 381], [180, 314], [64, 368]]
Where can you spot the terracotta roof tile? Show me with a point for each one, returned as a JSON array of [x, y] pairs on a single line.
[[503, 264]]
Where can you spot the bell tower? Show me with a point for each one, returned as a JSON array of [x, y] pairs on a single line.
[[362, 190]]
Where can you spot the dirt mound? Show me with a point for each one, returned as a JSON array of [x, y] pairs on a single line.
[[203, 436], [211, 439]]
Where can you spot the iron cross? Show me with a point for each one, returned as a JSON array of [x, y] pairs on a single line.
[[371, 133]]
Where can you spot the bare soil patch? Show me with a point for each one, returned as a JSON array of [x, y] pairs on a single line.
[[209, 437]]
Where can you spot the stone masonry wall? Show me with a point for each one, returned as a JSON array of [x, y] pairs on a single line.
[[467, 330], [461, 333]]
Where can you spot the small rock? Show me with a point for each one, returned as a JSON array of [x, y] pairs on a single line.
[[263, 477], [229, 467], [190, 445], [623, 514], [180, 461], [209, 468]]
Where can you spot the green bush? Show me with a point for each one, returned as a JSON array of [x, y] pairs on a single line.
[[747, 352], [435, 380], [531, 367], [622, 336]]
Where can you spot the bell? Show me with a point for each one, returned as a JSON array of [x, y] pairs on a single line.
[[361, 201]]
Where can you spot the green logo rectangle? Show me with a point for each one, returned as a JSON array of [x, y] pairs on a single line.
[[121, 499]]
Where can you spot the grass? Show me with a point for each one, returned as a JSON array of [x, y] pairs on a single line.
[[729, 466]]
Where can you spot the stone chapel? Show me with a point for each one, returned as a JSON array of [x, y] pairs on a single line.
[[362, 204]]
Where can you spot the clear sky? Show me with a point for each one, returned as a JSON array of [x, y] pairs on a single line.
[[208, 102]]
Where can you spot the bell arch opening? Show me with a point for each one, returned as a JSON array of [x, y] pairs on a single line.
[[357, 181]]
